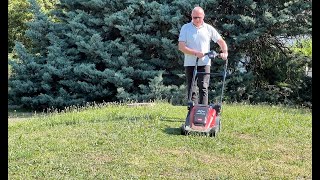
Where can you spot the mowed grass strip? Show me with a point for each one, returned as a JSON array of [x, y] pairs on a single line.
[[115, 141]]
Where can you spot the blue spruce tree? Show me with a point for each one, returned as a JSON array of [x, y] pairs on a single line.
[[96, 51], [108, 50]]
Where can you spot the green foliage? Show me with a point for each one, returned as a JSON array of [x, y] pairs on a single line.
[[18, 16], [156, 90], [280, 82], [303, 46], [93, 54], [10, 56], [102, 50], [303, 87], [116, 141], [25, 83], [254, 32]]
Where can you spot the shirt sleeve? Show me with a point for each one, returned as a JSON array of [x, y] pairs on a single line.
[[183, 34], [215, 36]]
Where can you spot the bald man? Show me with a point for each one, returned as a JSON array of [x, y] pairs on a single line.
[[194, 41]]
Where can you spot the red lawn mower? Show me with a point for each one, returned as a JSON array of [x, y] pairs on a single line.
[[201, 118]]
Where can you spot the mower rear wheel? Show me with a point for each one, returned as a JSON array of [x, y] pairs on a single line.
[[182, 129], [218, 126]]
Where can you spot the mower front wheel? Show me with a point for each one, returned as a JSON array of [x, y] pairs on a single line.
[[213, 132]]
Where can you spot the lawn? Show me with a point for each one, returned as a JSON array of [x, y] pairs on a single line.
[[117, 141]]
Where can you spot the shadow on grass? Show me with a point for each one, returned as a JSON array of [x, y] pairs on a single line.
[[168, 119], [172, 130]]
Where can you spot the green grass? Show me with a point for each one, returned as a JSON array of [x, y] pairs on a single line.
[[121, 142]]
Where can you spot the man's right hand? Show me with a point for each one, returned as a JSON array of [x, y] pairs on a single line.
[[199, 54]]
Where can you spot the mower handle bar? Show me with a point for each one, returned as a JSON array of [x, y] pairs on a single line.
[[212, 55]]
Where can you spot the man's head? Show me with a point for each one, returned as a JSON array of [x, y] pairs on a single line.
[[197, 15]]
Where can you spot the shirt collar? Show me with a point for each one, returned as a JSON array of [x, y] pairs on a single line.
[[202, 25]]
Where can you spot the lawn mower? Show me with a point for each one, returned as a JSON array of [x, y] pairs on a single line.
[[201, 118]]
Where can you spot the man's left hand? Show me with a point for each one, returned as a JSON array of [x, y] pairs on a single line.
[[224, 56]]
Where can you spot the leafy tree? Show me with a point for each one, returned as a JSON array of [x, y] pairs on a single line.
[[303, 46], [18, 16], [302, 49]]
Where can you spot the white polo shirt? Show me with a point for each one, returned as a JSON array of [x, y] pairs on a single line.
[[198, 39]]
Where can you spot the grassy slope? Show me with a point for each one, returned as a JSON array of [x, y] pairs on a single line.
[[120, 142]]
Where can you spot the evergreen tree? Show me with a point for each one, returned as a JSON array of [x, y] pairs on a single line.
[[96, 52], [107, 50], [25, 82], [255, 32]]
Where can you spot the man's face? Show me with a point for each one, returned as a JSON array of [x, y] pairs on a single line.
[[197, 18]]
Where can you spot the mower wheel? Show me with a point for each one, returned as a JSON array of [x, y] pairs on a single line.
[[218, 127], [183, 131], [213, 132]]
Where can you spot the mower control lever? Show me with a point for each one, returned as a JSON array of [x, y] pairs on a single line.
[[212, 54]]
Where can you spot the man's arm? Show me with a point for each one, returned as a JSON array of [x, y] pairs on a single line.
[[183, 48], [224, 48]]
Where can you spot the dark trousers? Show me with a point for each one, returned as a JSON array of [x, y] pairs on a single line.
[[202, 81]]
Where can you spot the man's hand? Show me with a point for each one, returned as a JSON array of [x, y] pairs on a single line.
[[224, 49], [199, 54], [224, 56]]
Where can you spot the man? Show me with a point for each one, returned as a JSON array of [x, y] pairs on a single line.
[[194, 41]]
